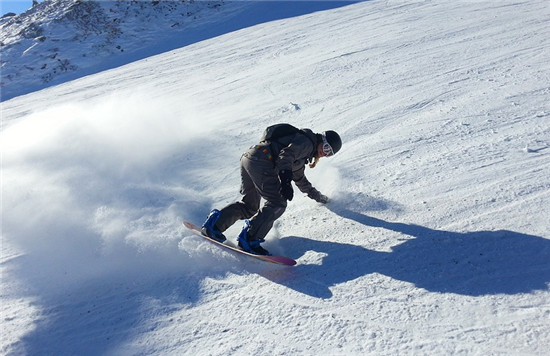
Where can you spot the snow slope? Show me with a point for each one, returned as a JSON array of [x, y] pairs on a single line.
[[60, 40], [436, 240]]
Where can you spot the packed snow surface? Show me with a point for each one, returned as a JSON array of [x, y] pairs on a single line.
[[436, 239]]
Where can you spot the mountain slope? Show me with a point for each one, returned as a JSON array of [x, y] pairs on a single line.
[[60, 40], [436, 239]]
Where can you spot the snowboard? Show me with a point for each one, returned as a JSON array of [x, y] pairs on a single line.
[[273, 259]]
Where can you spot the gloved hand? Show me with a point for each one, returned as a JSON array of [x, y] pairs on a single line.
[[286, 187], [317, 196]]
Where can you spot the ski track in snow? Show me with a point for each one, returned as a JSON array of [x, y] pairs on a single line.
[[436, 239]]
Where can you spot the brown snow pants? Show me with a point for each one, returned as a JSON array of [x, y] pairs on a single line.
[[259, 179]]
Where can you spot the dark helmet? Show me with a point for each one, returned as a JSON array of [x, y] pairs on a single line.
[[333, 140]]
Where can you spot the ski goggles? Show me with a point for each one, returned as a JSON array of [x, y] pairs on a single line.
[[327, 148]]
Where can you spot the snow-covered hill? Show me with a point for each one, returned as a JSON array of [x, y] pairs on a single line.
[[70, 38], [59, 40], [436, 240]]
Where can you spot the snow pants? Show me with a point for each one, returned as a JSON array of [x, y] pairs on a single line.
[[259, 179]]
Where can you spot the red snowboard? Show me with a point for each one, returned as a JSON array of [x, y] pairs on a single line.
[[273, 259]]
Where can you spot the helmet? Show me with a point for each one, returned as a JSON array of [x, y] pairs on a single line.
[[333, 140]]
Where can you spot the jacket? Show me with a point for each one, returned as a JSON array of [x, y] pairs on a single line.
[[293, 153]]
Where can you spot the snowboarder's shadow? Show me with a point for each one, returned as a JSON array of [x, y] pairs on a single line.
[[473, 263]]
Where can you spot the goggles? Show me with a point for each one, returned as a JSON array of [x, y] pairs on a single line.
[[327, 148]]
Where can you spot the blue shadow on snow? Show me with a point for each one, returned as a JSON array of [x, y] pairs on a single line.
[[471, 263]]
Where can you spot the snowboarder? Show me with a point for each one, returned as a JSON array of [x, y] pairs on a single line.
[[267, 170]]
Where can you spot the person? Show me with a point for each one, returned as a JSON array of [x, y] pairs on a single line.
[[267, 171]]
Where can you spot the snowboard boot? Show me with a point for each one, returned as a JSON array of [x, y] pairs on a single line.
[[251, 246], [209, 227]]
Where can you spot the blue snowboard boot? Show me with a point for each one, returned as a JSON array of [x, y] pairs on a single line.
[[252, 246], [209, 227]]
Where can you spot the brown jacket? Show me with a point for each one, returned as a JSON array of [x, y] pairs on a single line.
[[294, 152]]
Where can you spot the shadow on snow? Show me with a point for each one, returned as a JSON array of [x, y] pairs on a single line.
[[471, 263]]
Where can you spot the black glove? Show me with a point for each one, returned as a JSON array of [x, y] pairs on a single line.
[[286, 187], [317, 196]]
